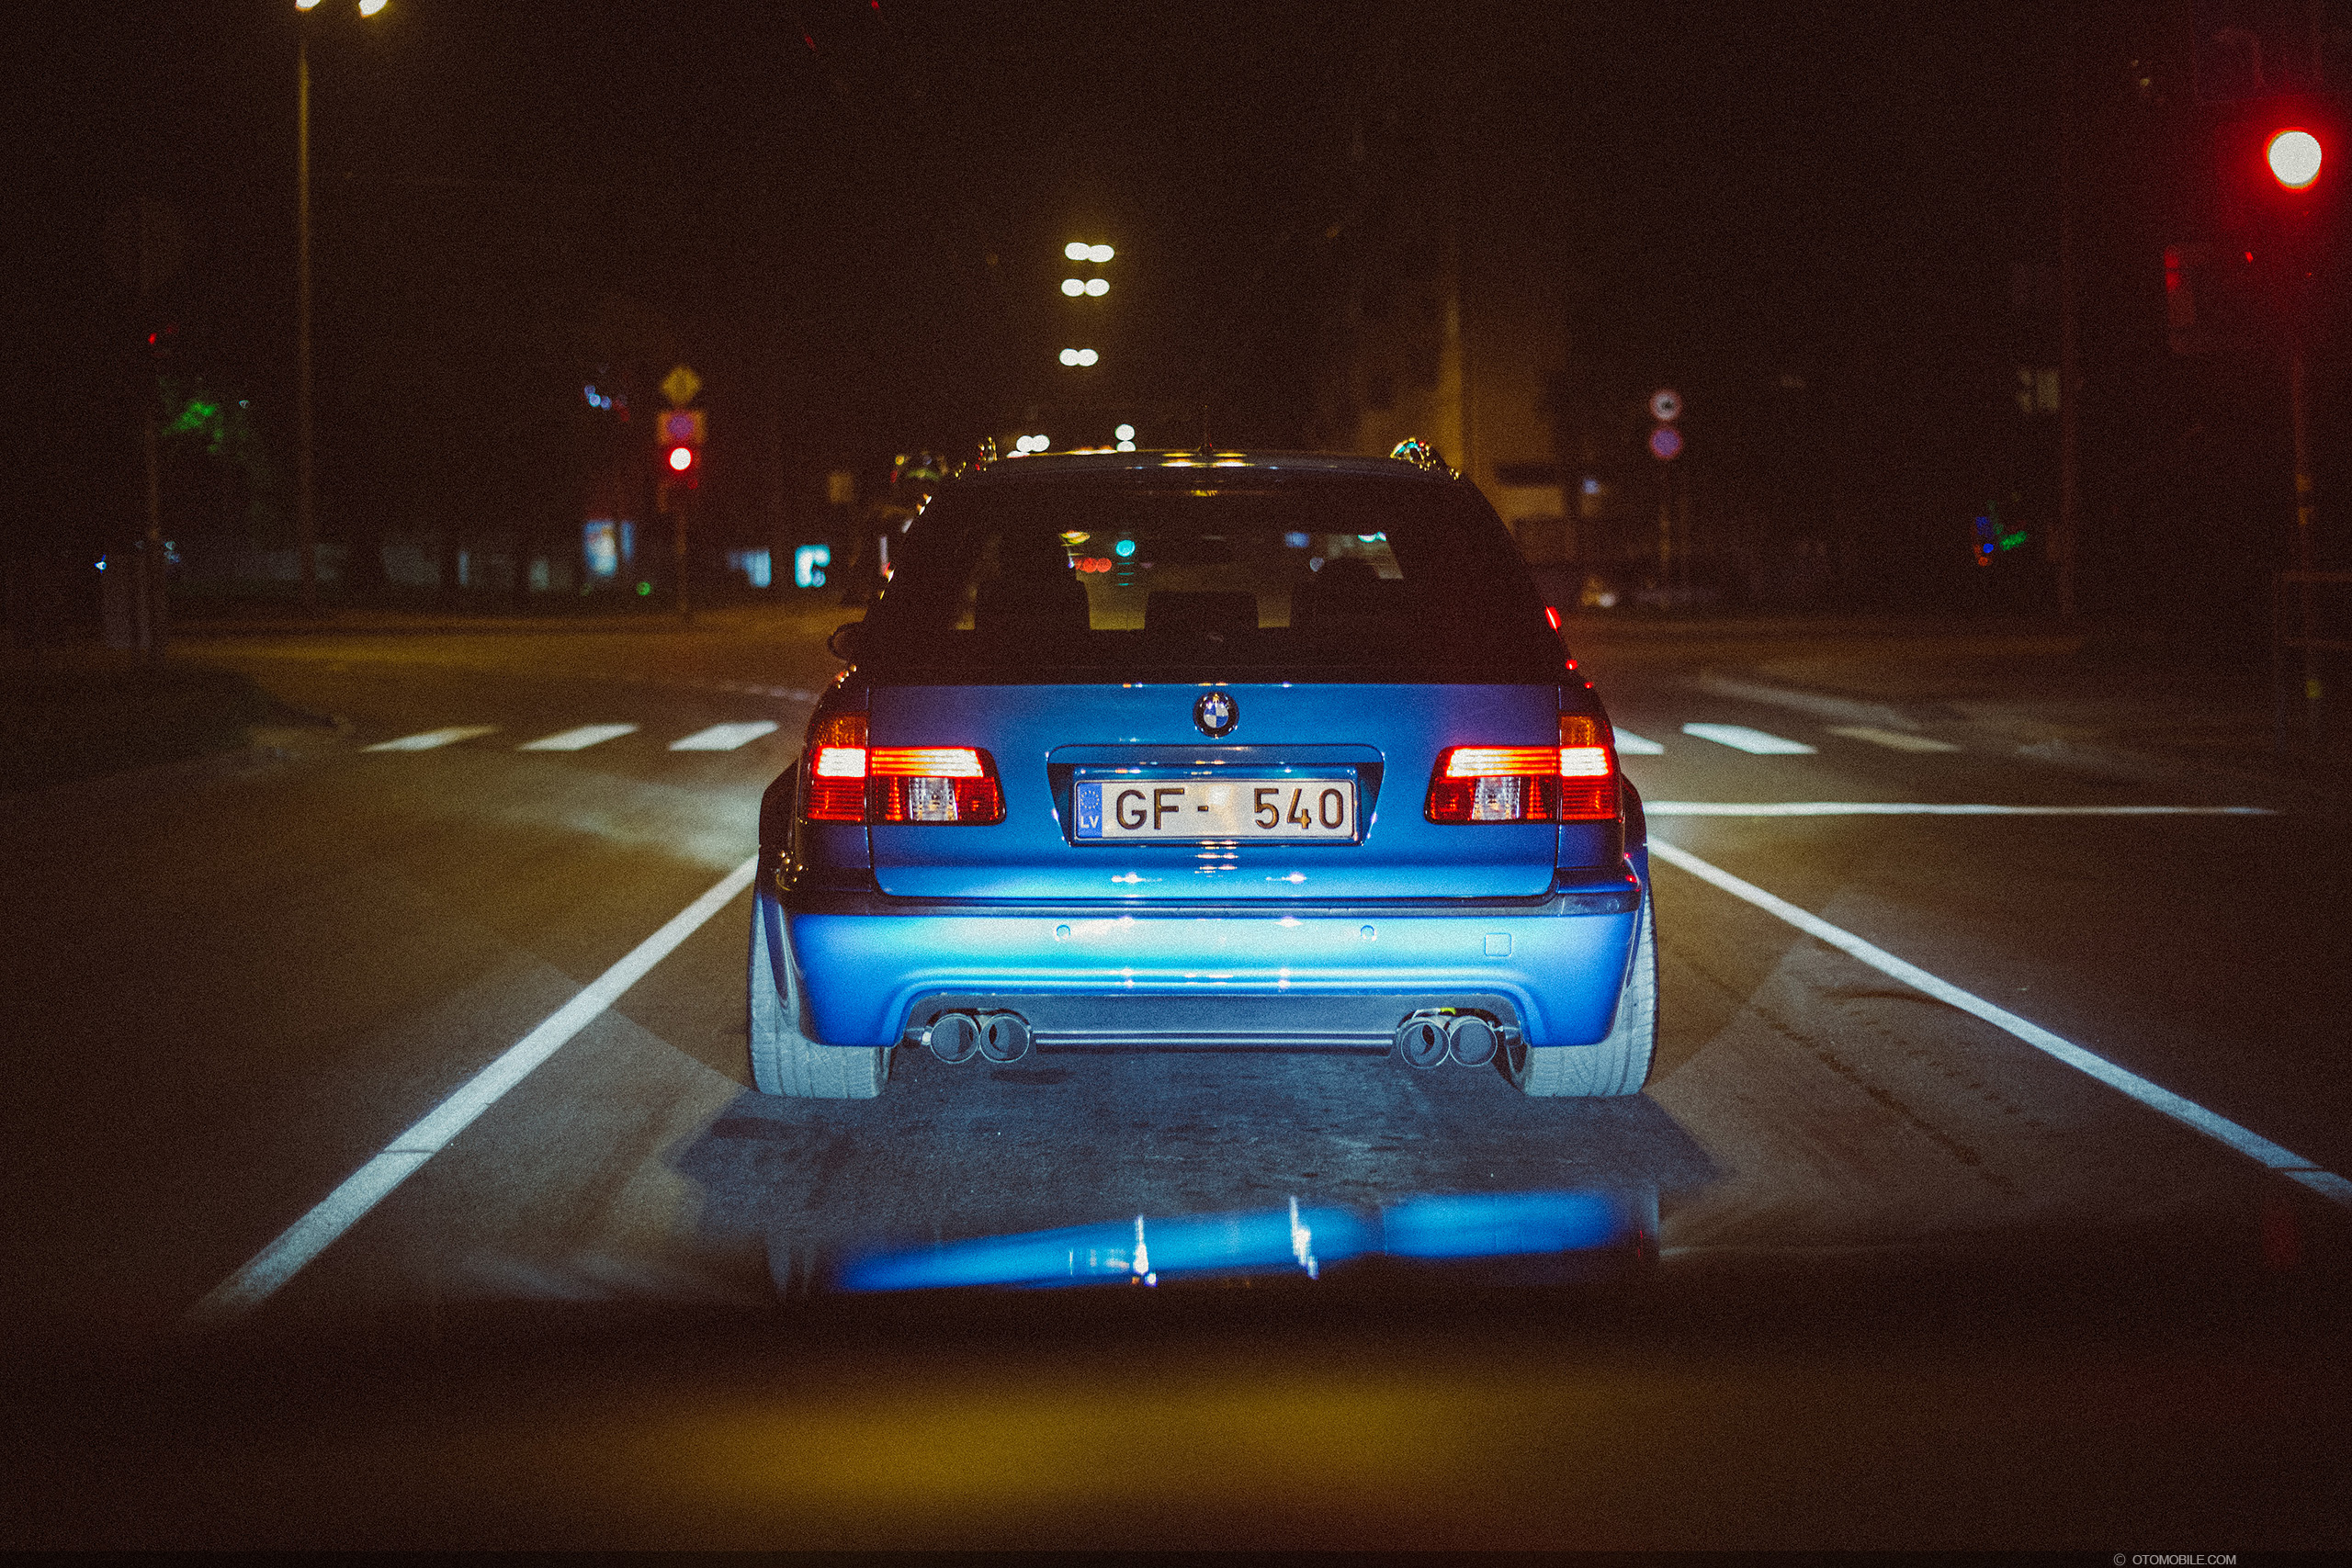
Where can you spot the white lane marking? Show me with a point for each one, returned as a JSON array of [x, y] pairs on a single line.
[[2188, 1112], [1756, 742], [1927, 809], [1631, 745], [1893, 739], [433, 738], [579, 739], [725, 737], [371, 1183]]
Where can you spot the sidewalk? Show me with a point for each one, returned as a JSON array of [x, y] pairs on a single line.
[[82, 712], [2095, 699]]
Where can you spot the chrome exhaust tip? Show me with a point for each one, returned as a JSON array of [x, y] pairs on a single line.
[[953, 1038], [1004, 1037], [1422, 1041], [1472, 1040]]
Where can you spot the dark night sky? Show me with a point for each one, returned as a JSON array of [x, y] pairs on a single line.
[[1838, 189]]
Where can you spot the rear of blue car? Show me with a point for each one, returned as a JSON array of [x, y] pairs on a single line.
[[1170, 753]]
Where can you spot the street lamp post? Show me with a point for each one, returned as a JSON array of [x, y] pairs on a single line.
[[306, 524]]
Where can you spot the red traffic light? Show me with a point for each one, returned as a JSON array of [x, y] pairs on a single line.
[[2294, 156], [681, 459]]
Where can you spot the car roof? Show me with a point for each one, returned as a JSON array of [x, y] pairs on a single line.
[[1027, 466]]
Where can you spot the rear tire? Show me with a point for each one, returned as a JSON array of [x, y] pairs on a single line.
[[783, 1059], [1620, 1064]]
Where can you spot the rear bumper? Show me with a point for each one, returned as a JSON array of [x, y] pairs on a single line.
[[870, 966]]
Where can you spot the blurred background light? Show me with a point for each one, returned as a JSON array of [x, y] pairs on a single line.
[[1073, 286], [1098, 286], [1124, 433], [1076, 250], [1093, 253], [1069, 356], [2294, 158]]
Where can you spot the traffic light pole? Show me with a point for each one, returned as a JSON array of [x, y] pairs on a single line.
[[680, 506], [306, 527], [2299, 406]]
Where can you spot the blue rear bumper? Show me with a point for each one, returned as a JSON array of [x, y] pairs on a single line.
[[1560, 963]]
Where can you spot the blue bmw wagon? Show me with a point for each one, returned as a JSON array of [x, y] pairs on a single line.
[[1205, 752]]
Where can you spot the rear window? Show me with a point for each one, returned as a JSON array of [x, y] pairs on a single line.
[[1066, 579]]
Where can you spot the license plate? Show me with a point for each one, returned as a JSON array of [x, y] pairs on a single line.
[[1214, 808]]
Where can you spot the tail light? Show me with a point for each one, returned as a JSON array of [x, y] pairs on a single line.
[[837, 769], [852, 782], [934, 783], [1573, 781]]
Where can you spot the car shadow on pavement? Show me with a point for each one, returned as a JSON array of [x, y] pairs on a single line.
[[949, 1154]]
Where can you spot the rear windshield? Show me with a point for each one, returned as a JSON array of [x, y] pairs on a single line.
[[1066, 579]]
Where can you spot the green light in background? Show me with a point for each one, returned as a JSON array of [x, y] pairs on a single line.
[[643, 589], [198, 415]]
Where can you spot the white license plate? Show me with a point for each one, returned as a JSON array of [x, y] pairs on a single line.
[[1214, 808]]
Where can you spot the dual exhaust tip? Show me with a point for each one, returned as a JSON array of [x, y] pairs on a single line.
[[1426, 1039], [956, 1037]]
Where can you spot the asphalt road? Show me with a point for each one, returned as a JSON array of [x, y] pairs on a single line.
[[231, 988]]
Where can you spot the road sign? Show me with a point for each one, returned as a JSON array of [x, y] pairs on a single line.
[[682, 427], [1666, 407], [680, 386], [1665, 442]]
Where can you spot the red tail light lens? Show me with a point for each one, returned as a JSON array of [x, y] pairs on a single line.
[[1587, 770], [837, 769], [1574, 782], [851, 781]]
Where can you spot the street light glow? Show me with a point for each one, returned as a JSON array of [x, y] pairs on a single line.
[[369, 7], [1076, 250], [1087, 356], [1124, 433], [305, 4], [1069, 356], [1098, 286], [1073, 286], [2294, 158], [1100, 253]]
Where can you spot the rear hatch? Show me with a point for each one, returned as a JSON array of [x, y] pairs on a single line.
[[1113, 791]]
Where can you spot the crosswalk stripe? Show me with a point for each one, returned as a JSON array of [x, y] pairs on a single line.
[[434, 738], [1756, 742], [1631, 745], [725, 737], [579, 739], [1893, 739]]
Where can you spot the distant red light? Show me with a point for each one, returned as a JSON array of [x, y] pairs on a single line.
[[2294, 157], [1553, 615], [682, 458]]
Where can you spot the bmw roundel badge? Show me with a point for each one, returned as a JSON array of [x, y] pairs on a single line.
[[1217, 712]]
